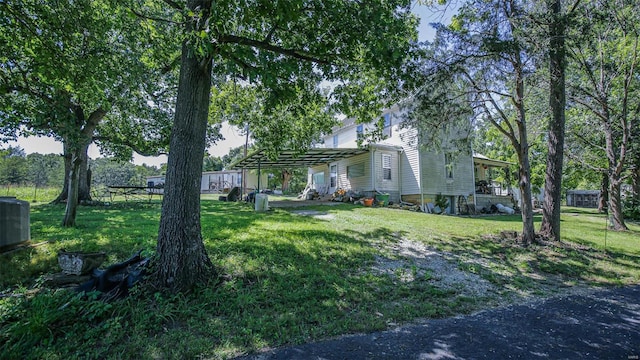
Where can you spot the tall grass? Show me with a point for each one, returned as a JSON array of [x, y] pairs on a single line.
[[30, 193]]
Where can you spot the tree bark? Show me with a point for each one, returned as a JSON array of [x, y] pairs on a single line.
[[182, 258], [524, 184], [603, 201], [72, 198], [635, 185], [78, 147], [550, 227], [286, 178], [615, 179], [84, 185], [528, 230], [615, 207]]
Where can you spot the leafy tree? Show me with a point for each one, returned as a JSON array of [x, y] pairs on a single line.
[[290, 180], [82, 71], [234, 155], [286, 48], [557, 24], [13, 166], [114, 172], [482, 64], [212, 163], [604, 89], [45, 170]]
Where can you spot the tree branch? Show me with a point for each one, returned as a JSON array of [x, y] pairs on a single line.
[[174, 4], [131, 145], [297, 54], [154, 18]]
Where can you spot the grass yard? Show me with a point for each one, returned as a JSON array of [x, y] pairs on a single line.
[[289, 278]]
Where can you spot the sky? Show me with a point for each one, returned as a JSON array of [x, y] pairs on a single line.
[[233, 136]]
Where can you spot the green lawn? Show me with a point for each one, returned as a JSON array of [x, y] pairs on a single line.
[[286, 278]]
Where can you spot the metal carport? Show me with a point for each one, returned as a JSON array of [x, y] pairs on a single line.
[[293, 158]]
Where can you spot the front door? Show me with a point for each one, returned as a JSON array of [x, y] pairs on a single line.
[[333, 178]]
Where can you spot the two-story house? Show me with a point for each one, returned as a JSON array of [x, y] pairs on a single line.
[[407, 171], [398, 166]]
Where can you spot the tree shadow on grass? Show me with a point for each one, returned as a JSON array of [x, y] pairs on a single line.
[[119, 229], [296, 285], [544, 268], [517, 218]]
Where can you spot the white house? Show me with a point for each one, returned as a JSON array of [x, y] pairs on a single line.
[[407, 172], [397, 166]]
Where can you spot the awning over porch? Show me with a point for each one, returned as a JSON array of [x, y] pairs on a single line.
[[483, 160], [293, 159]]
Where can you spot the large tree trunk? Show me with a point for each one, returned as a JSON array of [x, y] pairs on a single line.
[[72, 198], [615, 170], [615, 207], [84, 183], [528, 230], [603, 201], [524, 183], [635, 185], [550, 227], [182, 259], [286, 178]]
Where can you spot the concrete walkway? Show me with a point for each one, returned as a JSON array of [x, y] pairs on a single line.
[[601, 325]]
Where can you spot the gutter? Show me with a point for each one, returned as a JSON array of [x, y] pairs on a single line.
[[373, 169], [473, 176], [422, 206]]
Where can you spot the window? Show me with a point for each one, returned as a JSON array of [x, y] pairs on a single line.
[[359, 131], [355, 170], [387, 125], [448, 165], [334, 175], [335, 141], [386, 167], [318, 178]]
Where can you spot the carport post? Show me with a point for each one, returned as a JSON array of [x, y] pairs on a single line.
[[259, 174]]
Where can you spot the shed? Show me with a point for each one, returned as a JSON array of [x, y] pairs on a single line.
[[583, 198]]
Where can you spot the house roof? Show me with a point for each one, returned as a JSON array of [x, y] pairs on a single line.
[[291, 158], [481, 159]]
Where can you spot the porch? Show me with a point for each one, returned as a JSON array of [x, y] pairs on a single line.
[[492, 183]]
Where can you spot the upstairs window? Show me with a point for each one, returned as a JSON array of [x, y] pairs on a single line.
[[335, 141], [386, 167], [359, 131], [387, 125], [448, 165]]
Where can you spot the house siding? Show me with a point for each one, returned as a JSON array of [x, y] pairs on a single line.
[[434, 175], [409, 162], [360, 183], [318, 169], [415, 173], [380, 183]]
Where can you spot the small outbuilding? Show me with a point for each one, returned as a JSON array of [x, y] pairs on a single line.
[[583, 198]]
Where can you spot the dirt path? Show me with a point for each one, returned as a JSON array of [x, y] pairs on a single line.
[[599, 325]]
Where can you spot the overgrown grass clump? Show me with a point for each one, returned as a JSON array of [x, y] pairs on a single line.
[[31, 193], [284, 278]]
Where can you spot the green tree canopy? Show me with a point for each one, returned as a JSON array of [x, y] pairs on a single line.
[[287, 49]]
